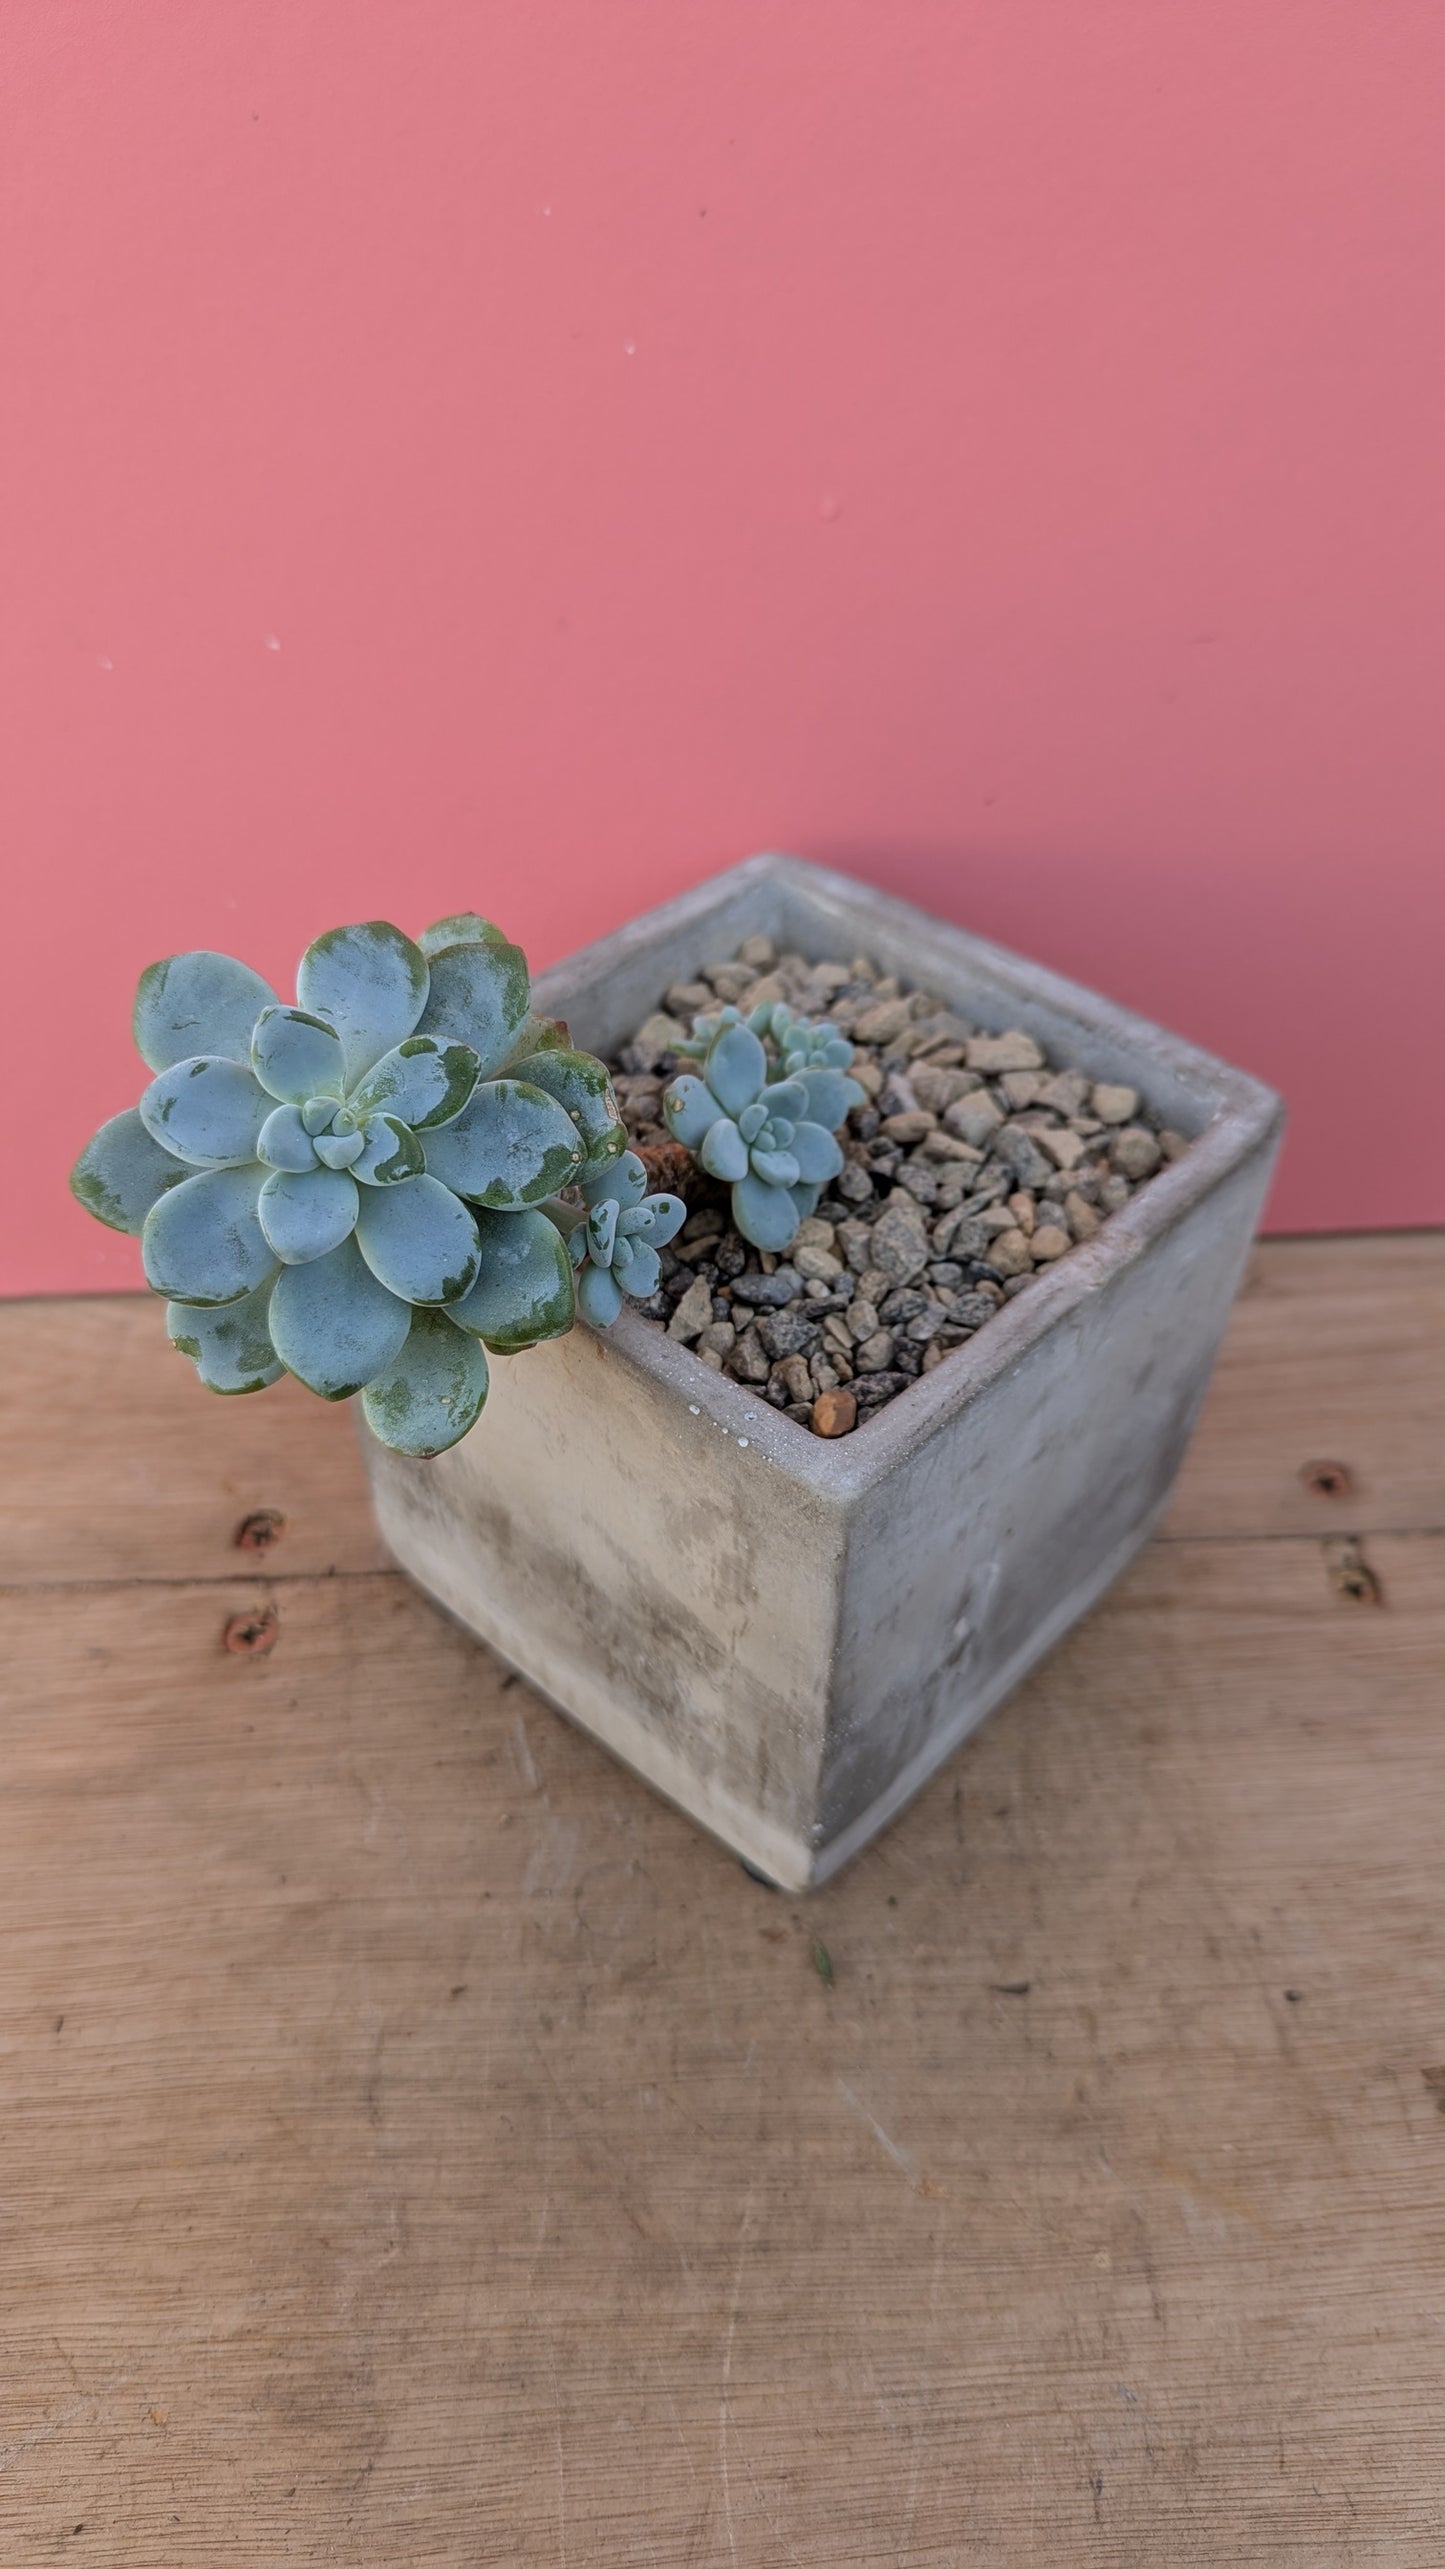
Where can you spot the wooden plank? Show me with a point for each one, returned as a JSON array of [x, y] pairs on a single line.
[[1336, 1355], [119, 1466], [420, 2146]]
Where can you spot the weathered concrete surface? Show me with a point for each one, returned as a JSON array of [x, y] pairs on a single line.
[[788, 1635]]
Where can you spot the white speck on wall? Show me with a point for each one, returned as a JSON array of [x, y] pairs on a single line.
[[744, 1442], [693, 1410]]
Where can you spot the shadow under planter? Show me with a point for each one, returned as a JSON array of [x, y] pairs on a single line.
[[786, 1635]]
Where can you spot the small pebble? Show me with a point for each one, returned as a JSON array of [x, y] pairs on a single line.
[[835, 1413], [816, 1265], [795, 1378], [1012, 1051], [1135, 1153], [900, 1242], [1114, 1105], [1010, 1252], [876, 1353], [693, 1313], [749, 1361], [1064, 1148], [879, 1024], [785, 1333], [656, 1037], [768, 1292], [1049, 1242], [975, 1118]]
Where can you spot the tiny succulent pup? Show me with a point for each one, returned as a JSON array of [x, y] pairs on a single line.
[[764, 1128]]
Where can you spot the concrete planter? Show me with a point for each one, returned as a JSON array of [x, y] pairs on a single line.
[[787, 1635]]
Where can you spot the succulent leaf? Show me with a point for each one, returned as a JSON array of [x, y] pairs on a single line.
[[724, 1153], [333, 1325], [764, 1214], [480, 992], [643, 1271], [524, 1291], [599, 1296], [297, 1056], [194, 1002], [433, 1390], [830, 1095], [459, 928], [658, 1220], [390, 1151], [510, 1146], [625, 1180], [339, 1150], [690, 1110], [815, 1152], [203, 1243], [371, 982], [419, 1240], [306, 1212], [231, 1347], [319, 1114], [580, 1083], [284, 1142], [736, 1068], [602, 1231], [208, 1111], [786, 1097], [122, 1172], [424, 1082], [775, 1168]]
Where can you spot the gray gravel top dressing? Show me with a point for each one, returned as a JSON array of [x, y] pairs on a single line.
[[974, 1165]]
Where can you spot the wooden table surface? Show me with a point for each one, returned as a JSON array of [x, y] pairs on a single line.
[[419, 2147]]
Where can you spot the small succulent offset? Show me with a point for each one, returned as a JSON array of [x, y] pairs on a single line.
[[615, 1244], [351, 1190], [770, 1139]]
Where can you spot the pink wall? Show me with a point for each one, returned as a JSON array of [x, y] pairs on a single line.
[[526, 453]]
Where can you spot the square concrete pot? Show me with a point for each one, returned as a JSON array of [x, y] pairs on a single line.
[[787, 1635]]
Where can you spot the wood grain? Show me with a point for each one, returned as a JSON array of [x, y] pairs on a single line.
[[119, 1466], [1336, 1354], [420, 2148]]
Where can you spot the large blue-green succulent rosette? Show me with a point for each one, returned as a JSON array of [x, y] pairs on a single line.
[[349, 1189]]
